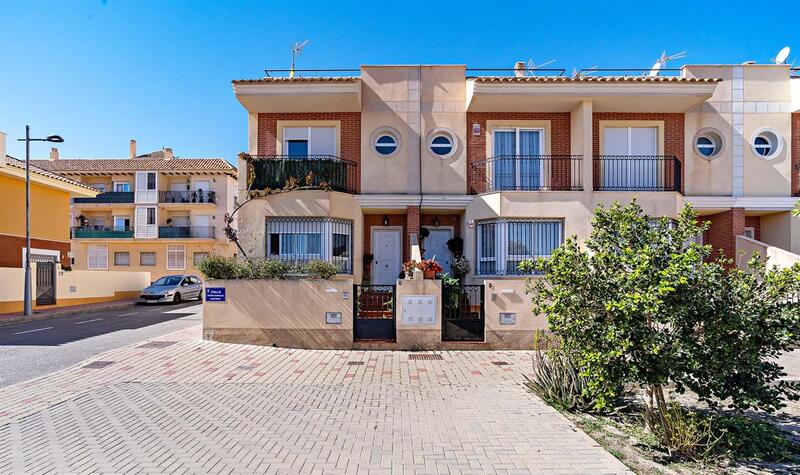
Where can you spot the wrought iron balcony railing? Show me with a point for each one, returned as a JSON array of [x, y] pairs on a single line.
[[107, 197], [637, 173], [196, 196], [101, 232], [186, 232], [301, 172], [526, 173]]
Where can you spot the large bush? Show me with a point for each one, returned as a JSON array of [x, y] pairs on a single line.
[[640, 304], [218, 267]]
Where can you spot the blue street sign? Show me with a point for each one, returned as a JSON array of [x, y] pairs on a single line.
[[215, 294]]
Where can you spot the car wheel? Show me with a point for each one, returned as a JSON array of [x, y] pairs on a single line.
[[176, 298], [200, 296]]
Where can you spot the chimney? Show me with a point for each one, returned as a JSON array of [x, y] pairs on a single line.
[[53, 153], [168, 153], [519, 69], [133, 148], [2, 149]]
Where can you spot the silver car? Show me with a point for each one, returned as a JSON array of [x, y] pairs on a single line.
[[173, 288]]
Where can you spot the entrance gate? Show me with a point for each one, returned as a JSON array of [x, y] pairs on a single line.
[[462, 313], [374, 312]]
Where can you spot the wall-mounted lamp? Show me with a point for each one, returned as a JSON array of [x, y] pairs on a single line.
[[436, 221], [385, 220]]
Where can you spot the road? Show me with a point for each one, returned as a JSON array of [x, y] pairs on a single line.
[[33, 349]]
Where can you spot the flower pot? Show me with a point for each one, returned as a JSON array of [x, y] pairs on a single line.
[[429, 274]]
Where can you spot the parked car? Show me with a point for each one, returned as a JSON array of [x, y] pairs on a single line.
[[173, 288]]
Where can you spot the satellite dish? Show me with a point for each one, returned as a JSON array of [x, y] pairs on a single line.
[[655, 69], [782, 55], [662, 62], [532, 66]]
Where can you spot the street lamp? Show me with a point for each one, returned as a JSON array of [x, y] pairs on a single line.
[[28, 140]]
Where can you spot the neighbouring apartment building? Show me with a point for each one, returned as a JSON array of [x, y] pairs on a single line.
[[156, 212], [512, 163]]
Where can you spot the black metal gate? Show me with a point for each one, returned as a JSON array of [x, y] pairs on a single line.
[[462, 313], [45, 280], [373, 312]]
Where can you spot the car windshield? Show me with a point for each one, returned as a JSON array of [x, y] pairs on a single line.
[[168, 280]]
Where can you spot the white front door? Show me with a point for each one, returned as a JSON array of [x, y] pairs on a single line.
[[387, 251], [436, 246]]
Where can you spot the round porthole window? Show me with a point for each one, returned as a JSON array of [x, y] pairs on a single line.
[[386, 142], [442, 143], [766, 144], [708, 143]]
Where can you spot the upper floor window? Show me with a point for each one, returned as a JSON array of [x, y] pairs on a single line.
[[767, 143], [517, 162], [503, 244], [708, 143], [442, 144], [386, 144], [123, 186], [304, 141], [98, 186], [151, 181]]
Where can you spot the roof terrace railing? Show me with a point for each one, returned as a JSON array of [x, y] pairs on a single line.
[[335, 72], [474, 72]]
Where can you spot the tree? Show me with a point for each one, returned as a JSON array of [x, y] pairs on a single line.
[[641, 304]]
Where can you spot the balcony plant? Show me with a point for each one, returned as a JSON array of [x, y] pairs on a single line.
[[408, 269], [460, 267], [429, 268]]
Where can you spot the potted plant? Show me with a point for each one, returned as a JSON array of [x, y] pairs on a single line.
[[169, 222], [460, 267], [429, 268], [456, 246], [424, 232], [408, 269]]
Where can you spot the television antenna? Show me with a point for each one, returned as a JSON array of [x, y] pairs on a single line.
[[297, 48], [782, 55], [661, 62], [532, 66], [576, 73]]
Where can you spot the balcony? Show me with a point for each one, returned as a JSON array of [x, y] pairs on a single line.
[[197, 196], [110, 197], [101, 232], [636, 173], [186, 232], [302, 172], [526, 173]]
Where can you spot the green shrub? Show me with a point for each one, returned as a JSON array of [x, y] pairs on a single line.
[[747, 438], [556, 380], [317, 269], [685, 434], [270, 269], [219, 267]]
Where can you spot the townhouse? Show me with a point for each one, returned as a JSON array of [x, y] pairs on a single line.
[[513, 162], [156, 212], [359, 168]]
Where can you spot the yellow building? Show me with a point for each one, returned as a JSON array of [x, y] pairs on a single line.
[[156, 213]]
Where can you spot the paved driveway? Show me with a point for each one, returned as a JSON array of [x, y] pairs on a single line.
[[181, 405]]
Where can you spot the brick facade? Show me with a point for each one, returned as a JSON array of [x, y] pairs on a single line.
[[755, 223], [795, 146], [673, 138], [11, 249], [721, 235], [350, 135], [560, 144]]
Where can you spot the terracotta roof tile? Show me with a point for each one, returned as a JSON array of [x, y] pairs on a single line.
[[610, 79], [76, 165], [317, 79], [13, 162]]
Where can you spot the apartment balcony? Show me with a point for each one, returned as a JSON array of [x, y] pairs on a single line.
[[526, 173], [109, 197], [636, 173], [101, 232], [186, 232], [187, 197], [302, 172]]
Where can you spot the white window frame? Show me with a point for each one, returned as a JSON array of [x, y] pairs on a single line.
[[307, 138], [501, 255], [143, 194], [325, 227], [773, 138], [176, 248], [517, 164], [115, 183], [751, 231], [89, 261], [155, 259]]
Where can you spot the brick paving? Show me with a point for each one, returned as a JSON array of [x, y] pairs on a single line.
[[192, 406]]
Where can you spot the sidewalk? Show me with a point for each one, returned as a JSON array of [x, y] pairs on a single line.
[[180, 404], [9, 318]]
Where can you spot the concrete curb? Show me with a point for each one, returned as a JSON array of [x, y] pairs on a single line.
[[60, 312]]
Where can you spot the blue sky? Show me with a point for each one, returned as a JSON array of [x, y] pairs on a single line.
[[102, 72]]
